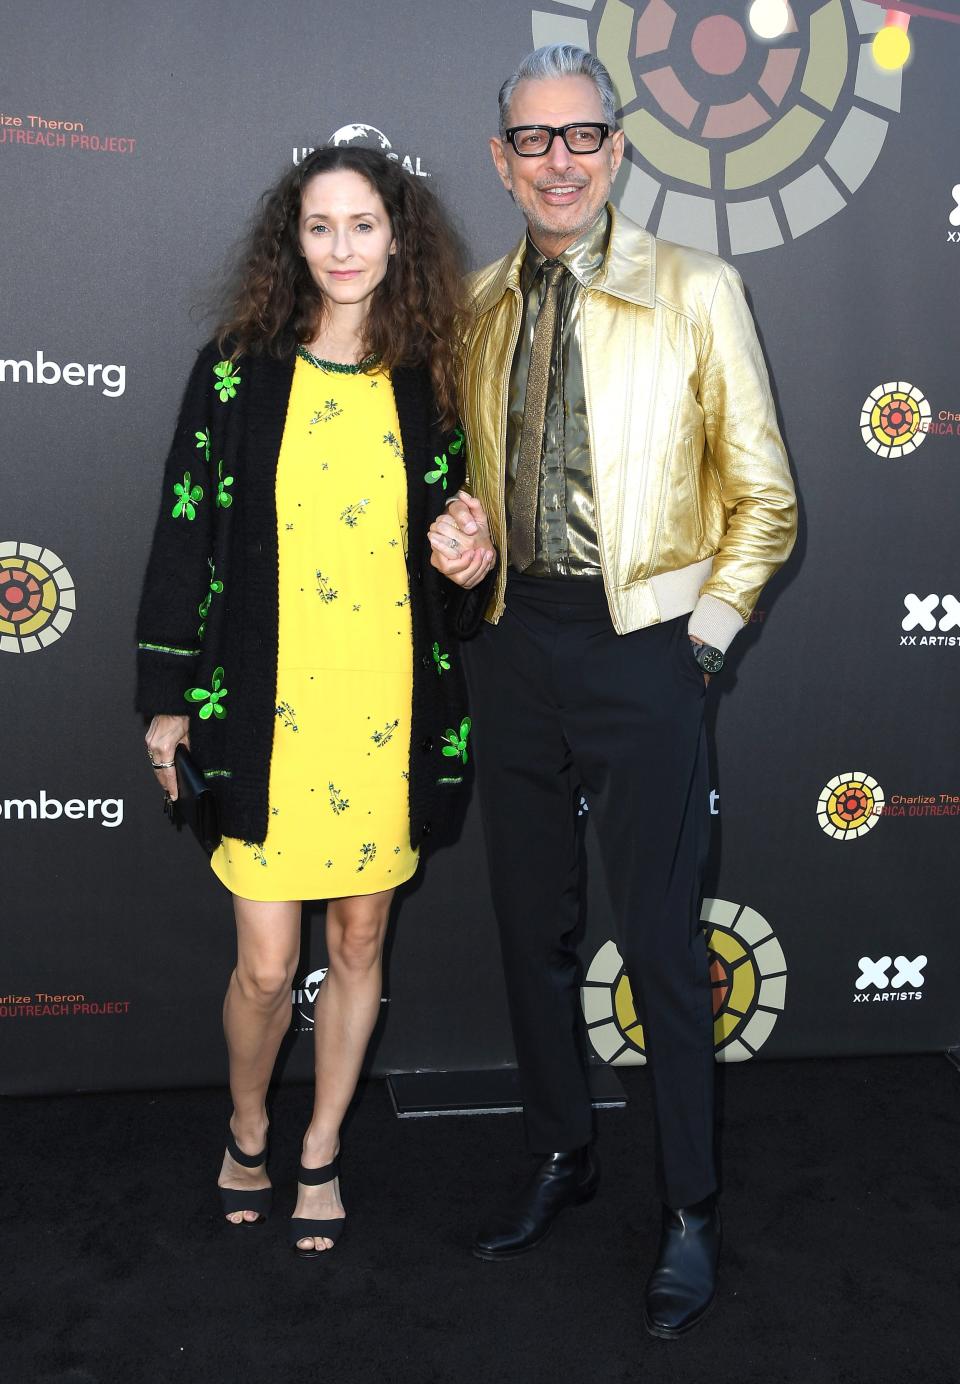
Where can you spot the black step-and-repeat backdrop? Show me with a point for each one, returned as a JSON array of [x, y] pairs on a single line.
[[134, 141]]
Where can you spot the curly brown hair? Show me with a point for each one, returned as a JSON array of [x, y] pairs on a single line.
[[417, 313]]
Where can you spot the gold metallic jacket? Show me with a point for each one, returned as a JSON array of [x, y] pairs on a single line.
[[695, 506]]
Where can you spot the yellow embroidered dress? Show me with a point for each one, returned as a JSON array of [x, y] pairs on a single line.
[[339, 815]]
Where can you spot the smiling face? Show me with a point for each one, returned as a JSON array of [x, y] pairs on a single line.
[[345, 236], [560, 194]]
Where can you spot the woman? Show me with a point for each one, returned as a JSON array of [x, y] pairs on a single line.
[[292, 632]]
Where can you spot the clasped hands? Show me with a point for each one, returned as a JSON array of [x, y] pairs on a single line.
[[460, 538]]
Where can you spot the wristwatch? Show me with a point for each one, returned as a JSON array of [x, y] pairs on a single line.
[[709, 658]]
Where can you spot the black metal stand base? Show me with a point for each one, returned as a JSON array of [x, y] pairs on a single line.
[[416, 1095]]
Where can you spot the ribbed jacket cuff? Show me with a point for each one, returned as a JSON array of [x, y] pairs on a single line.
[[161, 683], [715, 622]]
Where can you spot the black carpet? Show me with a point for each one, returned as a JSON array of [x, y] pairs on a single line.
[[842, 1257]]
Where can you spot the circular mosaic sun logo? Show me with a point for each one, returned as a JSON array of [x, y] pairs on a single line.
[[849, 806], [37, 598], [748, 974], [893, 419], [736, 142]]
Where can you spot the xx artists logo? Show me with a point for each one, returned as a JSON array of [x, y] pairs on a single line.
[[849, 806], [930, 614], [954, 236], [748, 973], [37, 598], [906, 982], [739, 139]]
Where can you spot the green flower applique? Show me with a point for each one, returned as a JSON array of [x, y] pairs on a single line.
[[213, 699], [203, 440], [456, 442], [227, 380], [456, 747], [188, 497], [440, 474], [441, 659], [224, 499], [203, 609]]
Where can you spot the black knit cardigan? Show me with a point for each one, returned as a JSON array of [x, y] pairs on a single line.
[[207, 628]]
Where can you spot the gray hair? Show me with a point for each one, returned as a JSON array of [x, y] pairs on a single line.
[[561, 60]]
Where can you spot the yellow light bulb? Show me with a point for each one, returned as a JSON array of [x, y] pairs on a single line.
[[891, 48]]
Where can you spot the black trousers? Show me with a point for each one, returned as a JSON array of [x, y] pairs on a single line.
[[562, 704]]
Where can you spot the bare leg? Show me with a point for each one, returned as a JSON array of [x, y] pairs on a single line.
[[256, 1015], [344, 1017]]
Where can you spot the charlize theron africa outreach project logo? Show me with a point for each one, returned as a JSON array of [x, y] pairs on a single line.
[[736, 142], [37, 597], [850, 805], [748, 975]]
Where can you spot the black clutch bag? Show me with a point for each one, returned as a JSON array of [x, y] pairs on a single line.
[[195, 805]]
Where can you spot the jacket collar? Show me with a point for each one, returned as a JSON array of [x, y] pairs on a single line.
[[629, 269], [583, 259]]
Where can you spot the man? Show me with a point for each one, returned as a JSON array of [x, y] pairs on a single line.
[[622, 439]]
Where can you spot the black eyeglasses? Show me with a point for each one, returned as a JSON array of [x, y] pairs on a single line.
[[530, 141]]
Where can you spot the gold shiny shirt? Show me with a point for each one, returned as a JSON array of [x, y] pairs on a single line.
[[566, 523]]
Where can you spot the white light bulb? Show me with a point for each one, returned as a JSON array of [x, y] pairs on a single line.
[[769, 18]]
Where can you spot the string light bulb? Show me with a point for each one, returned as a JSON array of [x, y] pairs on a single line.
[[891, 47], [769, 18]]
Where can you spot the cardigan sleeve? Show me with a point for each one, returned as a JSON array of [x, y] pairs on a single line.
[[467, 607], [177, 580]]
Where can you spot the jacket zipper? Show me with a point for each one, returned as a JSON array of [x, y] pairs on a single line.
[[502, 464], [614, 618]]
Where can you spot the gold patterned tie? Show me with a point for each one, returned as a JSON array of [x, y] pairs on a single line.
[[526, 488]]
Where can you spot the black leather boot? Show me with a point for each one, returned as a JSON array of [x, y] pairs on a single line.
[[682, 1285], [562, 1179]]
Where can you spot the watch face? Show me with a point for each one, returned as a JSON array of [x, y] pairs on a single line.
[[710, 659]]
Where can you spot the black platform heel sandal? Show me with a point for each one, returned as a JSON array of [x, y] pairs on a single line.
[[233, 1198], [303, 1229]]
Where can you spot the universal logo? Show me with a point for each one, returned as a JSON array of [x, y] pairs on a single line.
[[109, 811], [304, 997], [928, 620], [953, 237], [40, 370], [903, 983], [368, 137]]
